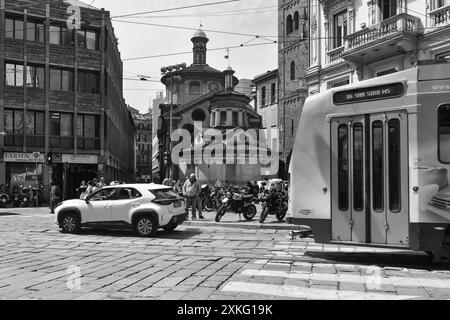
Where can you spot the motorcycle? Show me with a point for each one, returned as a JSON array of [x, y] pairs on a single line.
[[237, 202], [15, 197], [273, 203], [4, 197], [25, 197]]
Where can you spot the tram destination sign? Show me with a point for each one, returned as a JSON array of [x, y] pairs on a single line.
[[388, 91]]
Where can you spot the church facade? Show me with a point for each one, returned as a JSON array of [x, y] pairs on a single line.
[[205, 104]]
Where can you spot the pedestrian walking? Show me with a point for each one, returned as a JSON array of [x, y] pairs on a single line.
[[191, 191], [81, 191], [54, 197]]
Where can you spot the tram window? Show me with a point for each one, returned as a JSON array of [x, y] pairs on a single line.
[[358, 167], [377, 166], [444, 133], [343, 183], [394, 166]]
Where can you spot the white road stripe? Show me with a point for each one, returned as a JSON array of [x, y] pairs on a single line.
[[308, 293], [370, 279]]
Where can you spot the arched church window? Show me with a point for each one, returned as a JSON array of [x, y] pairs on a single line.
[[293, 70], [289, 26], [296, 20]]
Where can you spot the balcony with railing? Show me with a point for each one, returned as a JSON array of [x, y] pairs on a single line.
[[389, 37], [335, 55], [440, 17]]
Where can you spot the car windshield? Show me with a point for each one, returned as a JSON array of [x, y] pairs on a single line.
[[162, 194]]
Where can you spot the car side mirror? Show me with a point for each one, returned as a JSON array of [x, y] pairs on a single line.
[[87, 200]]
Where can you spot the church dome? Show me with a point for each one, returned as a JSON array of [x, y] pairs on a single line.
[[200, 34]]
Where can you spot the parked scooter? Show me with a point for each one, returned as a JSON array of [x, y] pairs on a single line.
[[273, 203], [4, 197], [24, 196], [237, 202], [15, 196]]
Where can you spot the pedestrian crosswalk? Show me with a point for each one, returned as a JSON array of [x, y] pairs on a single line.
[[301, 281]]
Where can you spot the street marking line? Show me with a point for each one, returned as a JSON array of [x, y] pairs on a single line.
[[308, 293], [358, 279]]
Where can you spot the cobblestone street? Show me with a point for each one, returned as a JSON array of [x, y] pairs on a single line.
[[201, 262]]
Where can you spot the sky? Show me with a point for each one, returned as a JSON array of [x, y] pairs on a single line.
[[251, 17]]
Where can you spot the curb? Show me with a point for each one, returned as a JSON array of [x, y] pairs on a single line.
[[237, 225]]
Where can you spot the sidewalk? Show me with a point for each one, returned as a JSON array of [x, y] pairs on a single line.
[[230, 220]]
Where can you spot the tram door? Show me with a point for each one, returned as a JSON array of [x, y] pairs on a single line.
[[370, 179]]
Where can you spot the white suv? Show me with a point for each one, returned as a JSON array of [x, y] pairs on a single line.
[[143, 207]]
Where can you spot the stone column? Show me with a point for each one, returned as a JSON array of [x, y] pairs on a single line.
[[229, 117], [240, 119]]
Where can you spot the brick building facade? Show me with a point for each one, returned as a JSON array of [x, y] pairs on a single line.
[[61, 94], [293, 61]]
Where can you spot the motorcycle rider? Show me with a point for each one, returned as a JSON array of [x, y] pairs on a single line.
[[191, 191]]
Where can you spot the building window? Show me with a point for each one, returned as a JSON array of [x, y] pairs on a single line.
[[14, 75], [55, 35], [88, 82], [340, 29], [436, 4], [223, 118], [388, 8], [61, 36], [296, 20], [61, 80], [263, 96], [235, 118], [14, 127], [338, 83], [35, 31], [289, 24], [292, 70], [88, 132], [444, 133], [273, 93], [14, 28], [292, 127], [194, 88], [35, 77], [61, 130], [88, 39]]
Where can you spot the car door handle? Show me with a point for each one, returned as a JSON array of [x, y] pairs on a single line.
[[136, 205]]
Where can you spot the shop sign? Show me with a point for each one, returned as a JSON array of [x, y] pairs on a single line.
[[80, 158], [24, 157]]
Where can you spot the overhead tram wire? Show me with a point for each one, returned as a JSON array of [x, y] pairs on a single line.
[[194, 29], [204, 14], [190, 52], [178, 8]]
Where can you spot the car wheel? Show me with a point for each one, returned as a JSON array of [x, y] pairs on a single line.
[[145, 226], [170, 229], [70, 223]]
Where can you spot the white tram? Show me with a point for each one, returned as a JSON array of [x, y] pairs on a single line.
[[371, 162]]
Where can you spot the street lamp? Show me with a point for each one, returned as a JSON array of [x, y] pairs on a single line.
[[170, 70]]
